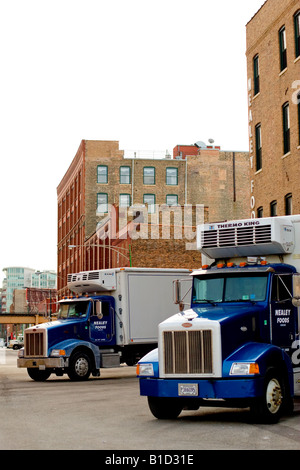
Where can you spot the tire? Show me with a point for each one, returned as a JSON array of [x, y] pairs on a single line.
[[165, 408], [268, 409], [39, 375], [80, 367]]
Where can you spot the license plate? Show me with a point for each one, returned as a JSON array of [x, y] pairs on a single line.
[[188, 390]]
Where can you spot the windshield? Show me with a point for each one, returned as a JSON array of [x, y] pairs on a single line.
[[218, 288], [73, 309]]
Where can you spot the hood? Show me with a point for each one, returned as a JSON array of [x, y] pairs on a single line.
[[238, 323], [61, 330], [223, 313]]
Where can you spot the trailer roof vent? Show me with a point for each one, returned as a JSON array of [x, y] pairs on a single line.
[[250, 237]]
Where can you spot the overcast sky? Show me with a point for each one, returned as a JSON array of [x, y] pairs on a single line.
[[148, 74]]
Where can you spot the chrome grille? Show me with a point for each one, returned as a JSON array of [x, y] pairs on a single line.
[[35, 344], [188, 352]]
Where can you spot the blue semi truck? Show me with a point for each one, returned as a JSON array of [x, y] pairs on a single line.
[[110, 319], [237, 343]]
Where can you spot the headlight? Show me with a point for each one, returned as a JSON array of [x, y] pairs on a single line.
[[21, 353], [244, 368], [145, 370], [57, 352]]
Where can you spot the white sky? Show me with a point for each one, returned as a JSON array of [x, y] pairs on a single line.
[[148, 74]]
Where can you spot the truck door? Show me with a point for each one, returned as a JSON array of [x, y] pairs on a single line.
[[283, 313], [102, 327]]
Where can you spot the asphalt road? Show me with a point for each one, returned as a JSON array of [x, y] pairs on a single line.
[[107, 413]]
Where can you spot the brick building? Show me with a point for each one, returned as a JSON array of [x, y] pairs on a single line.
[[273, 64], [102, 179]]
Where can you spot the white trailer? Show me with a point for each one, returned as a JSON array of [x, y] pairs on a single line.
[[143, 298]]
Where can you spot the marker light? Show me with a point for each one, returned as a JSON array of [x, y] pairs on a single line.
[[244, 368]]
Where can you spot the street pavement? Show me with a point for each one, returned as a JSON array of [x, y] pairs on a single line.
[[107, 413]]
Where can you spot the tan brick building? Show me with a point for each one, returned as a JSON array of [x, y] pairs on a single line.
[[101, 177], [273, 64]]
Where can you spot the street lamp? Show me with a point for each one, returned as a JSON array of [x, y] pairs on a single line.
[[113, 248]]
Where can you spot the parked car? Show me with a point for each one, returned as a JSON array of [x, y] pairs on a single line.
[[16, 343]]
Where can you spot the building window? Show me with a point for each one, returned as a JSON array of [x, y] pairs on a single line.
[[286, 127], [172, 200], [288, 204], [149, 199], [260, 212], [256, 74], [258, 147], [297, 33], [102, 203], [102, 174], [149, 175], [125, 175], [172, 176], [124, 200], [273, 209], [282, 48]]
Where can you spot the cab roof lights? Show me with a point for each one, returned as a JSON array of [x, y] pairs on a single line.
[[250, 262]]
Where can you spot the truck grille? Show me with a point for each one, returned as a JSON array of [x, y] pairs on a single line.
[[35, 343], [188, 352]]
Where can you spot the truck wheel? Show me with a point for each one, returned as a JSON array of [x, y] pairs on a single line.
[[268, 408], [80, 367], [165, 408], [15, 346], [38, 375]]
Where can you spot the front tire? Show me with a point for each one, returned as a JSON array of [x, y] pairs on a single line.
[[268, 409], [165, 408], [39, 375], [80, 367]]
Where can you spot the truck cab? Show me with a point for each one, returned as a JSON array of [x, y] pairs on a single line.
[[71, 343], [237, 343]]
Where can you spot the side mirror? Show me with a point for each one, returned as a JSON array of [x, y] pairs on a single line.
[[296, 290], [98, 308], [177, 291], [177, 294]]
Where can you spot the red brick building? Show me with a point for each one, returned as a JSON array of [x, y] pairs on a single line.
[[273, 64], [198, 184]]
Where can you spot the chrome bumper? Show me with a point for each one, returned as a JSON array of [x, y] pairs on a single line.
[[42, 363]]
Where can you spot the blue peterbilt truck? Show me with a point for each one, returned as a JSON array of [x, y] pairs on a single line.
[[237, 345], [110, 319]]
